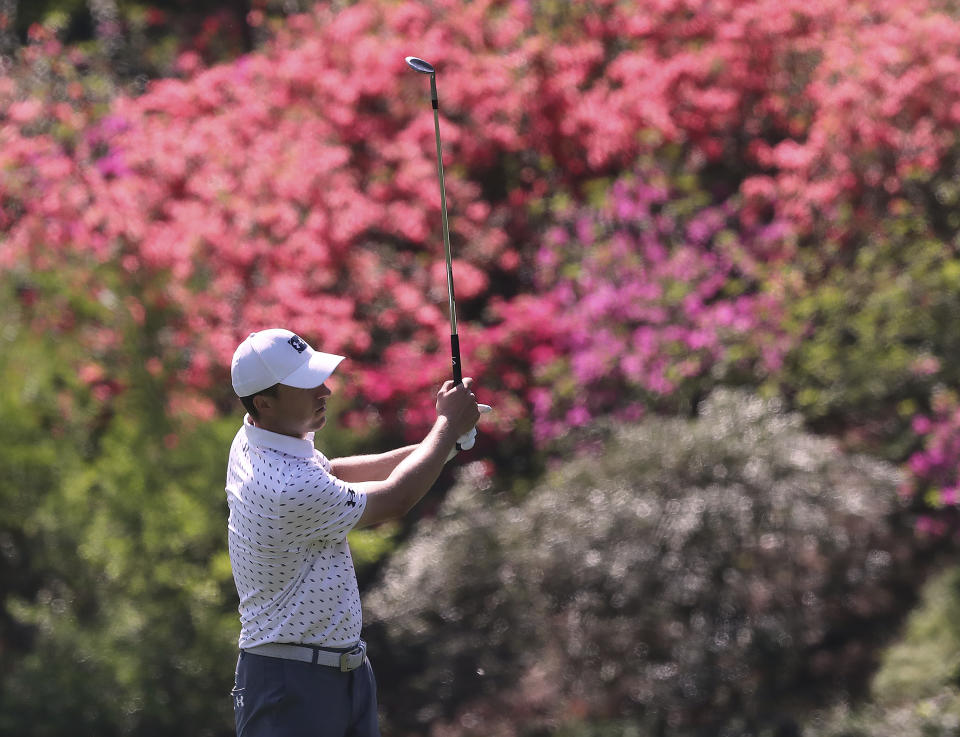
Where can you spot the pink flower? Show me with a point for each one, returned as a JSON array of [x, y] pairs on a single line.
[[578, 416], [922, 425]]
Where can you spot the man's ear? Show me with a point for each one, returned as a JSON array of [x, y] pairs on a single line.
[[262, 402]]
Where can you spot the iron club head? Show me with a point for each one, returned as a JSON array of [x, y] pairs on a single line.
[[419, 65]]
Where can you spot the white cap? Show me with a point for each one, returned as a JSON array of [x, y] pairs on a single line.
[[277, 356]]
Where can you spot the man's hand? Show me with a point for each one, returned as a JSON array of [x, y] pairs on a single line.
[[394, 496], [458, 404]]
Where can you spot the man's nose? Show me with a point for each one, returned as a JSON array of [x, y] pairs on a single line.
[[323, 391]]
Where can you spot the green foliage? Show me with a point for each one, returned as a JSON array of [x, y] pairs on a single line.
[[371, 546], [927, 659], [873, 334], [699, 577], [117, 609], [134, 624], [145, 38], [31, 466], [914, 693], [934, 717]]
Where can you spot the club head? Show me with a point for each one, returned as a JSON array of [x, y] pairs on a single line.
[[419, 65]]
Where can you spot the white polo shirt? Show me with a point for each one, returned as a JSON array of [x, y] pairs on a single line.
[[289, 519]]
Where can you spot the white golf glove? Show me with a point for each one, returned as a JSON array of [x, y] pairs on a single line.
[[466, 441]]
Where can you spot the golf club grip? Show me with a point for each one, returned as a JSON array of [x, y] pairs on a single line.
[[457, 373], [455, 353]]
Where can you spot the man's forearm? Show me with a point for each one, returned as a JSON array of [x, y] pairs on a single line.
[[421, 462], [410, 480], [374, 467]]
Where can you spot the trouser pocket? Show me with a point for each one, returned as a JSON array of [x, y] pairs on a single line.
[[238, 696], [258, 693]]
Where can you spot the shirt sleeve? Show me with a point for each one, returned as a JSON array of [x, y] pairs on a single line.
[[319, 506]]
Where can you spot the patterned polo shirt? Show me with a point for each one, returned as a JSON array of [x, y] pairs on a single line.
[[289, 519]]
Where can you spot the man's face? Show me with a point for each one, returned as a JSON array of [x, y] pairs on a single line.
[[293, 411]]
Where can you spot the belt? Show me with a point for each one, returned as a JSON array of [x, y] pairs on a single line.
[[345, 661]]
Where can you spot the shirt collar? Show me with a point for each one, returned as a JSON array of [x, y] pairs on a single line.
[[300, 447]]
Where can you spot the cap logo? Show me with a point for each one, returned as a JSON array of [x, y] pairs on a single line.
[[297, 342]]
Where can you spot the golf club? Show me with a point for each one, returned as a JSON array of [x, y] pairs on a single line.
[[424, 67]]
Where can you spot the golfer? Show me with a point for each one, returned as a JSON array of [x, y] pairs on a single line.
[[303, 668]]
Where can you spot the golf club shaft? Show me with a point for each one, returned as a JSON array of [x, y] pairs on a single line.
[[454, 337]]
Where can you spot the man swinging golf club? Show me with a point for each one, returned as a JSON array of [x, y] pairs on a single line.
[[302, 668]]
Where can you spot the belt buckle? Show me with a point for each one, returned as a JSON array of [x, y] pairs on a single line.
[[345, 663]]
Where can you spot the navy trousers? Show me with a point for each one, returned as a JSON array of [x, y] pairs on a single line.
[[275, 697]]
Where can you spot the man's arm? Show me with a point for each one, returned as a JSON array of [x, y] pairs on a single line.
[[374, 467], [413, 476]]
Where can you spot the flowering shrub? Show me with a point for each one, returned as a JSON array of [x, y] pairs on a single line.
[[696, 577], [934, 466], [657, 294], [640, 201], [333, 209], [884, 102], [646, 200]]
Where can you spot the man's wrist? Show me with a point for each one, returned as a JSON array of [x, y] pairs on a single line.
[[444, 432]]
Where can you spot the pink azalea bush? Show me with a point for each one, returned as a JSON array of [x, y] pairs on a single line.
[[639, 198], [331, 209], [657, 295]]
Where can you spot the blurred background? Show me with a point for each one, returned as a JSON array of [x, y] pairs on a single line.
[[708, 274]]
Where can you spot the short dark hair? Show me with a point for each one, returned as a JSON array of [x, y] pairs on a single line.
[[247, 401]]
